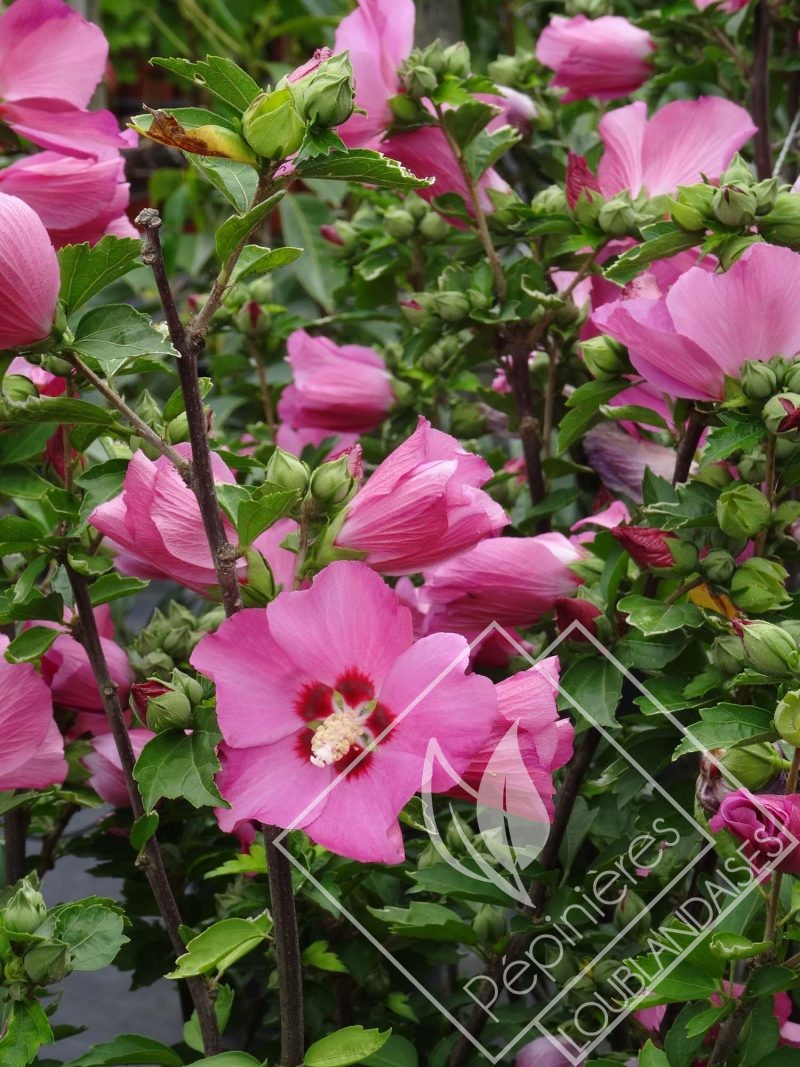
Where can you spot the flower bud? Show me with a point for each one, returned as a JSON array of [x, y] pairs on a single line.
[[782, 415], [504, 70], [632, 909], [781, 225], [398, 223], [758, 380], [168, 711], [141, 693], [791, 380], [759, 585], [47, 962], [450, 305], [433, 227], [646, 545], [617, 217], [177, 429], [751, 765], [711, 788], [489, 924], [190, 687], [416, 207], [753, 467], [457, 60], [787, 718], [260, 587], [17, 388], [332, 483], [742, 511], [727, 654], [467, 421], [767, 647], [588, 206], [684, 555], [404, 108], [432, 56], [331, 235], [571, 609], [418, 80], [287, 471], [718, 566], [25, 911], [766, 194], [273, 126], [328, 94], [734, 205], [605, 358]]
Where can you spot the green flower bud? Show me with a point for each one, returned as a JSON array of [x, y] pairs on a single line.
[[550, 201], [450, 306], [416, 207], [684, 553], [433, 227], [617, 217], [727, 654], [718, 565], [404, 108], [177, 429], [17, 388], [467, 421], [782, 415], [632, 909], [489, 924], [433, 57], [753, 468], [742, 511], [190, 687], [169, 711], [25, 911], [766, 194], [791, 381], [752, 765], [273, 126], [605, 358], [328, 94], [734, 205], [758, 380], [47, 962], [504, 70], [759, 585], [588, 208], [398, 223], [768, 648], [332, 483], [738, 173], [716, 475], [691, 208], [457, 60], [287, 471], [260, 586], [787, 718], [418, 80], [792, 627], [781, 225]]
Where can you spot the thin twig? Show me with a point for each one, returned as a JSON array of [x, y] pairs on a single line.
[[684, 455], [151, 860], [287, 951], [759, 89]]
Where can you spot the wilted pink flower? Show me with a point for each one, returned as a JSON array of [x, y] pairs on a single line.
[[683, 142], [308, 685], [606, 519], [571, 609], [542, 739], [767, 824], [621, 460], [509, 580], [336, 388], [707, 325], [77, 199], [29, 275], [32, 752], [155, 523], [421, 505], [51, 59], [546, 1052], [604, 57], [105, 767]]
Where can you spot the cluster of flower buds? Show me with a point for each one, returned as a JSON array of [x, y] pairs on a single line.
[[759, 585], [327, 487], [28, 959], [169, 639], [768, 648], [516, 71], [424, 70], [319, 94], [167, 705], [415, 216]]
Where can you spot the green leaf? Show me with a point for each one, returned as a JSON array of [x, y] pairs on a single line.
[[221, 945], [650, 1056], [397, 1052], [93, 930], [487, 148], [220, 77], [595, 685], [26, 1030], [362, 165], [229, 1059], [113, 586], [585, 404], [761, 1033], [739, 433], [116, 333], [707, 1019], [143, 829], [31, 644], [656, 617], [727, 725], [18, 535], [235, 229], [464, 123], [661, 240], [128, 1050], [634, 413], [175, 764], [223, 1002], [256, 260], [670, 694], [236, 181], [59, 409], [318, 955], [769, 980], [27, 444], [255, 516], [432, 922], [87, 270], [319, 275], [346, 1046], [23, 483]]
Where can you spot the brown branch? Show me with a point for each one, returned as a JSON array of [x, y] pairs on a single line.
[[759, 89], [152, 860], [684, 455], [287, 951], [15, 834]]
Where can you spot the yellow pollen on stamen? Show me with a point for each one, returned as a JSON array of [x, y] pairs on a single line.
[[334, 737]]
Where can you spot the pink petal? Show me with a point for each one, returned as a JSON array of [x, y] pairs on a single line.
[[62, 127], [26, 714], [46, 766], [623, 134], [29, 275]]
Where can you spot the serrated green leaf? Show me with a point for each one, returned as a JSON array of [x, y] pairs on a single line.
[[31, 644], [236, 181], [464, 123], [174, 764], [143, 829], [87, 270], [221, 945], [256, 260], [219, 76], [18, 535], [113, 586], [431, 922], [739, 432], [362, 165], [656, 617], [255, 516], [346, 1046], [26, 1030], [661, 240], [595, 685], [128, 1050], [93, 930], [727, 725], [59, 409], [116, 333], [235, 229]]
